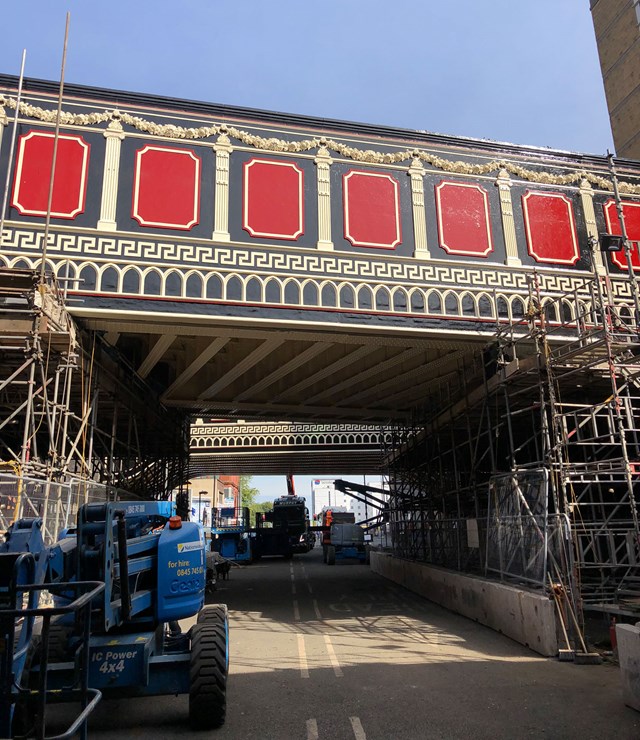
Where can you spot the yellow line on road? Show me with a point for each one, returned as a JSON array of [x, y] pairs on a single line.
[[302, 657], [312, 729], [358, 730], [332, 657]]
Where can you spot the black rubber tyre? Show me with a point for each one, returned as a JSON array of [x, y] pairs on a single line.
[[214, 613], [331, 555], [324, 553], [208, 671]]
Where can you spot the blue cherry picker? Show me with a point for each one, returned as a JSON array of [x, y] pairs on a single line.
[[116, 588]]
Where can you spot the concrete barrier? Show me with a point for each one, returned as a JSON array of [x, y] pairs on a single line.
[[628, 638], [525, 616]]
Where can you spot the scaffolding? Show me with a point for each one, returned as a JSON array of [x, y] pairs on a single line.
[[76, 422], [525, 466]]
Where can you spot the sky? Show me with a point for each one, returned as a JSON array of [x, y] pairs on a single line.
[[522, 71]]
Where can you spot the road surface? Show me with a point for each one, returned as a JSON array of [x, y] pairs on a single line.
[[338, 653]]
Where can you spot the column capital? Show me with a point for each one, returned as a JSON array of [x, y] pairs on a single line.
[[416, 169], [114, 130], [323, 156], [223, 144], [503, 179]]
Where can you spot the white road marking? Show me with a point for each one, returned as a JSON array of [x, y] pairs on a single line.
[[358, 730], [332, 657], [309, 587], [302, 657], [316, 609], [296, 611], [312, 729]]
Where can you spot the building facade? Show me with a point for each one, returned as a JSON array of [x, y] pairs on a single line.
[[617, 28]]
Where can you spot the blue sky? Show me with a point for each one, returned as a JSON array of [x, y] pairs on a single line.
[[523, 71]]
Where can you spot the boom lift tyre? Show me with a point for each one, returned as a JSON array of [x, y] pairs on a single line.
[[208, 673], [331, 555]]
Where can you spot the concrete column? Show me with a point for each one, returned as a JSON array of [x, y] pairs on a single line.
[[416, 173], [323, 173], [114, 136], [503, 183], [223, 149], [586, 198]]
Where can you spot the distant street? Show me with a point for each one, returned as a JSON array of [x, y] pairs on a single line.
[[338, 653]]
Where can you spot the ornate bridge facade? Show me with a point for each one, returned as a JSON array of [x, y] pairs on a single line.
[[255, 264], [268, 448]]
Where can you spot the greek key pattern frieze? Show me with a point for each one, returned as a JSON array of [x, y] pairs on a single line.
[[165, 255], [224, 436], [240, 276]]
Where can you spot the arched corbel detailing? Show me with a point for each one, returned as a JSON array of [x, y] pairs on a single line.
[[550, 310], [234, 289], [383, 300], [292, 293], [131, 281], [152, 283], [109, 280], [347, 297], [451, 305], [485, 306], [518, 308], [193, 286], [254, 291], [173, 284], [417, 301], [434, 302], [365, 298], [584, 312], [503, 308], [87, 278], [468, 304], [309, 293], [273, 291], [215, 289], [66, 273], [400, 302], [328, 295]]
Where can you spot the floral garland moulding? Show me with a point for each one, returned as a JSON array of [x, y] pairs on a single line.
[[368, 156]]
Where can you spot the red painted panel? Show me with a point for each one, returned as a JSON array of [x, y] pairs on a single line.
[[371, 210], [166, 188], [631, 213], [550, 227], [33, 172], [464, 225], [273, 199]]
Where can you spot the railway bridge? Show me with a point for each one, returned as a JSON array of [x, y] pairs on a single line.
[[165, 259]]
